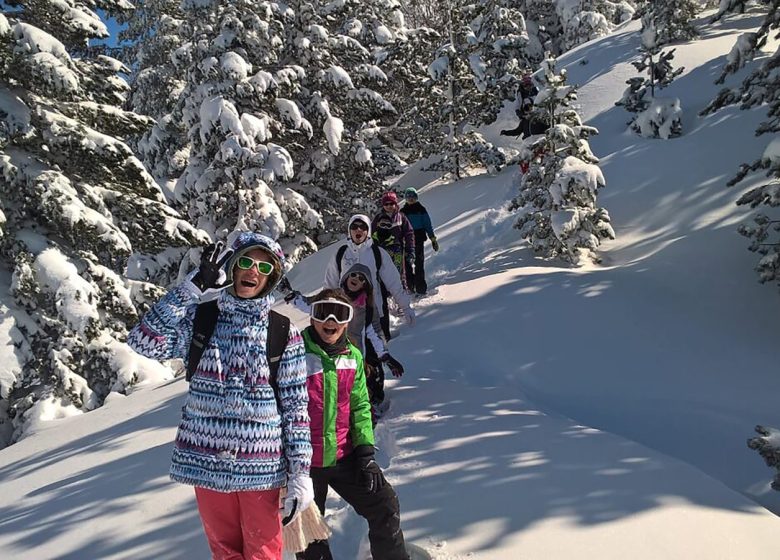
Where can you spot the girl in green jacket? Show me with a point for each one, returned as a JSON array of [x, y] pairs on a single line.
[[341, 431]]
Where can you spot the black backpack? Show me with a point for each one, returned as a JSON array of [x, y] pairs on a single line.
[[203, 327]]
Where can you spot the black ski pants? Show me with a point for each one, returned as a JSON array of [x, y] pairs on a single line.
[[380, 509], [415, 277], [375, 375]]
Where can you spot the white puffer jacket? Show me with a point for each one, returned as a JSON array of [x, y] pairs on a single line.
[[364, 254]]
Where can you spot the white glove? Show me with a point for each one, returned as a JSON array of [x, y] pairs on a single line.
[[300, 495], [409, 316]]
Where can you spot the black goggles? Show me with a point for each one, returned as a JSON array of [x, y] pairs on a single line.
[[358, 225], [326, 309]]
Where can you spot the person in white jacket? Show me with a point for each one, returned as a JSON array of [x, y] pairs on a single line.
[[360, 249]]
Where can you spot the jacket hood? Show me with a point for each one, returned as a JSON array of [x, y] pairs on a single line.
[[247, 241], [360, 218], [362, 269]]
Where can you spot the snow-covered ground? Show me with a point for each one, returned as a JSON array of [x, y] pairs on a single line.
[[547, 412]]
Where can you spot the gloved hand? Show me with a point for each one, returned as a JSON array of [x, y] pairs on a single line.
[[409, 258], [368, 472], [291, 296], [395, 366], [435, 244], [210, 274], [409, 315], [300, 495]]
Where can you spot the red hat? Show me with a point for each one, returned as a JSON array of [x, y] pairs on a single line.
[[389, 197]]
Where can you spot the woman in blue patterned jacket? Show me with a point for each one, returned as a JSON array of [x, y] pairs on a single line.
[[235, 444]]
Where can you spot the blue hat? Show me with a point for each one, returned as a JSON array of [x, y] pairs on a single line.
[[410, 193]]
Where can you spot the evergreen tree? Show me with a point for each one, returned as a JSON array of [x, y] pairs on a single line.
[[760, 87], [654, 117], [478, 67], [557, 195], [79, 214], [766, 444], [726, 7], [583, 22], [414, 95], [237, 106], [555, 27], [153, 33], [673, 20], [430, 14], [342, 164]]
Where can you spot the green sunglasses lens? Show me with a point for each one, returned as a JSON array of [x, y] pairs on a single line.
[[263, 267]]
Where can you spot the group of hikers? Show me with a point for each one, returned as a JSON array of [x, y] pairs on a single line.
[[271, 408]]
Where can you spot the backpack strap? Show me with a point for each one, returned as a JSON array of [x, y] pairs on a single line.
[[339, 256], [202, 329], [377, 263], [276, 342]]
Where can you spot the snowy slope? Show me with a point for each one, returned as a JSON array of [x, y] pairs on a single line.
[[546, 413]]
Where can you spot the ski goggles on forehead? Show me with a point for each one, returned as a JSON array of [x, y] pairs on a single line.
[[263, 267], [334, 309]]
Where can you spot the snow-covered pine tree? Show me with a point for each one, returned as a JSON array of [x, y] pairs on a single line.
[[654, 117], [673, 20], [760, 87], [557, 195], [726, 7], [560, 25], [767, 444], [76, 205], [236, 106], [428, 14], [341, 166], [476, 69], [581, 21], [543, 27], [413, 93], [151, 36]]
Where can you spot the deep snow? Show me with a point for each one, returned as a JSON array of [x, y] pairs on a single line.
[[547, 412]]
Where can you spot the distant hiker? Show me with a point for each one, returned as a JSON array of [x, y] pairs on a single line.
[[528, 125], [421, 224], [341, 430], [244, 432], [360, 248], [365, 330], [392, 231]]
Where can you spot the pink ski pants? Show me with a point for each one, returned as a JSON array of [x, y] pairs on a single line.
[[241, 525]]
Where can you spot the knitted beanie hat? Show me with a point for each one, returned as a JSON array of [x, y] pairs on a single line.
[[389, 197]]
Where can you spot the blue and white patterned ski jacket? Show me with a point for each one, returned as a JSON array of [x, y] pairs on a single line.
[[232, 437]]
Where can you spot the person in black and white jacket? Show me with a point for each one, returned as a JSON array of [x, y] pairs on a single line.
[[360, 249]]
